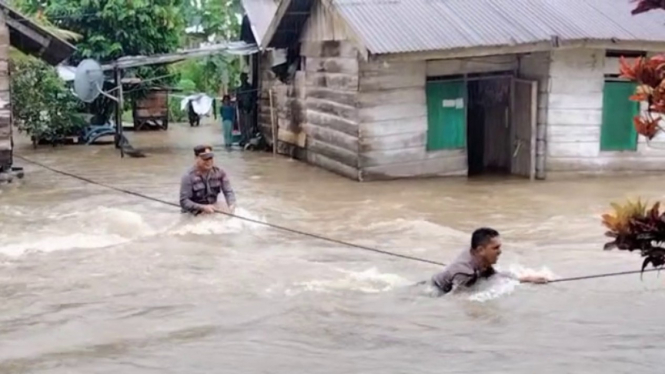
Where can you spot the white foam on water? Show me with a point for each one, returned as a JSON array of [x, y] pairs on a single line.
[[95, 228], [367, 281], [218, 224], [497, 287]]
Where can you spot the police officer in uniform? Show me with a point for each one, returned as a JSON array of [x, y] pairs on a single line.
[[202, 184]]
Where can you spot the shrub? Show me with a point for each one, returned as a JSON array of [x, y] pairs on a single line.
[[42, 106]]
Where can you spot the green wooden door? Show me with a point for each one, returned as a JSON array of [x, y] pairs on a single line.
[[446, 115], [617, 132]]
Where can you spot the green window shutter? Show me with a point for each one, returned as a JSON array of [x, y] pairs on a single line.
[[617, 132], [446, 115]]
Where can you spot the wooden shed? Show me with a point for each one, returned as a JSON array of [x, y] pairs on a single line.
[[384, 89], [28, 37], [152, 111]]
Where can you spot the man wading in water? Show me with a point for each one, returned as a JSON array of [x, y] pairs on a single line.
[[476, 262], [201, 185]]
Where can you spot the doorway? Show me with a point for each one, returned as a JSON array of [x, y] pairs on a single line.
[[489, 126], [492, 118]]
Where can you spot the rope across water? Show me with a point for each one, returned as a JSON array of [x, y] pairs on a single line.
[[303, 233]]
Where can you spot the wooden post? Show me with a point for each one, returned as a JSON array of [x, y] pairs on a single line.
[[272, 124], [118, 111]]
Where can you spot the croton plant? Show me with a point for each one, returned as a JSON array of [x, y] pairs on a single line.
[[635, 226], [649, 73], [647, 5]]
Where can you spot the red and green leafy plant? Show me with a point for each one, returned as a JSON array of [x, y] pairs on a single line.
[[647, 5], [649, 73], [636, 227]]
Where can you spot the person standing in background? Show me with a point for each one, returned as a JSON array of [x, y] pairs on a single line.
[[192, 116], [246, 99], [228, 114]]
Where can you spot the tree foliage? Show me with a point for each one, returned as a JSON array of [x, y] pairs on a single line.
[[111, 29], [216, 21], [42, 106]]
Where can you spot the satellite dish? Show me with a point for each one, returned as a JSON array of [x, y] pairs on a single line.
[[89, 80]]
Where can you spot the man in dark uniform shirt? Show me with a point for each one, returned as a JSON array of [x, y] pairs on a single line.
[[202, 183], [476, 263]]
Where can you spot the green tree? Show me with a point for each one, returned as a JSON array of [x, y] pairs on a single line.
[[42, 106], [219, 22], [111, 29]]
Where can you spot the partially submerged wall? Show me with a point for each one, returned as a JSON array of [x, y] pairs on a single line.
[[332, 116], [536, 66], [393, 113], [285, 111], [316, 114], [574, 117]]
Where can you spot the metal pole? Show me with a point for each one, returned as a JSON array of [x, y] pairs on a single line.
[[118, 112], [272, 123]]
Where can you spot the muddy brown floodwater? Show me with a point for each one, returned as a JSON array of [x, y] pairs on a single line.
[[94, 281]]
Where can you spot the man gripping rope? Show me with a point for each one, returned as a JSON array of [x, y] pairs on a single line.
[[476, 263], [201, 185]]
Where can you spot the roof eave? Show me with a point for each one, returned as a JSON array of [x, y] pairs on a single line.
[[33, 39], [274, 24], [541, 46]]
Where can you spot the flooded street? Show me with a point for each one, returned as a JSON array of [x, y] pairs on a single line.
[[95, 281]]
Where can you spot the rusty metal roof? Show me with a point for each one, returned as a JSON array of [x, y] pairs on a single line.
[[398, 26], [31, 38]]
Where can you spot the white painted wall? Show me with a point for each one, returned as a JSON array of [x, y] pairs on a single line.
[[393, 116], [574, 115], [472, 65], [536, 66]]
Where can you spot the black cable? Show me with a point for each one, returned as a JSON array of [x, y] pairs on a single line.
[[315, 236], [585, 277], [298, 232]]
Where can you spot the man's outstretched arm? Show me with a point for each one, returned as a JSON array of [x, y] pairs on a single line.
[[524, 278]]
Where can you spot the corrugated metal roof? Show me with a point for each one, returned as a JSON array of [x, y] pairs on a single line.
[[31, 38], [396, 26], [260, 13], [232, 48]]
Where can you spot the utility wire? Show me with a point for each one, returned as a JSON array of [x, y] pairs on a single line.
[[294, 231], [315, 236], [585, 277]]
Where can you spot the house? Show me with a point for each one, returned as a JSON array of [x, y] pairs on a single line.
[[28, 37], [384, 89]]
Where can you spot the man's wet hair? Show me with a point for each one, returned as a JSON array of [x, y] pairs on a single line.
[[482, 236]]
